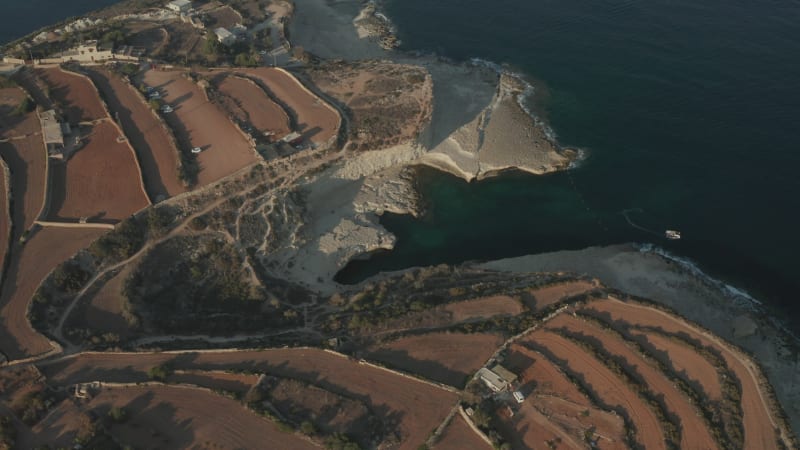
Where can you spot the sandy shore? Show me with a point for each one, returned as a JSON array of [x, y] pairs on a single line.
[[649, 275]]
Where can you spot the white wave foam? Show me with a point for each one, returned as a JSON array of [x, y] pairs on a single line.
[[731, 292]]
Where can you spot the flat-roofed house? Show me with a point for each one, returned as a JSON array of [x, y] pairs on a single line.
[[492, 380], [53, 134], [224, 36], [180, 6], [504, 373]]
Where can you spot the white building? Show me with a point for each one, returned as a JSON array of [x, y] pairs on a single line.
[[224, 36], [180, 6], [492, 380]]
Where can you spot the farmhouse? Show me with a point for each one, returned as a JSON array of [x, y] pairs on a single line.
[[492, 380], [53, 134], [504, 373], [180, 6], [224, 36], [88, 52]]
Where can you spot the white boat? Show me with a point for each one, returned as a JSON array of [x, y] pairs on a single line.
[[672, 234]]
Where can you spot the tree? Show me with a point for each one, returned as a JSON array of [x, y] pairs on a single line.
[[154, 103], [117, 414], [212, 45], [308, 428], [160, 373]]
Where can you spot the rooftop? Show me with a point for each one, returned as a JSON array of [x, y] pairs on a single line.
[[504, 373], [51, 128]]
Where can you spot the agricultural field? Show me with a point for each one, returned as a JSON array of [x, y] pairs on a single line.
[[613, 393], [156, 153], [449, 358], [546, 296], [677, 409], [44, 250], [100, 181], [459, 436], [74, 95], [758, 419], [26, 159], [198, 123], [406, 407], [555, 407], [5, 214], [314, 119], [182, 417], [483, 308], [328, 412], [252, 105]]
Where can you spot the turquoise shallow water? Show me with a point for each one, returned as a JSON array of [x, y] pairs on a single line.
[[687, 110]]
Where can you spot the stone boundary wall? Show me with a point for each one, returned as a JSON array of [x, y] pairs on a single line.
[[5, 257], [119, 129]]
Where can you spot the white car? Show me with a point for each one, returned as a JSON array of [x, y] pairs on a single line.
[[166, 109], [197, 150], [519, 397]]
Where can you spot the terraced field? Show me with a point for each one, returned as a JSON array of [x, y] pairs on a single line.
[[621, 373]]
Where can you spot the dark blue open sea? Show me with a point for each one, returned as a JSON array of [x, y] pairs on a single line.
[[689, 112], [20, 17]]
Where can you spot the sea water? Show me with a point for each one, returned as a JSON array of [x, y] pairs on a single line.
[[687, 111]]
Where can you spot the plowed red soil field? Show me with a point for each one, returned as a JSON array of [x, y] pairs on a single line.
[[5, 216], [694, 366], [415, 407], [459, 436], [157, 155], [484, 308], [316, 120], [198, 123], [75, 94], [26, 159], [610, 388], [551, 294], [263, 113], [695, 434], [450, 358], [45, 249], [178, 417], [568, 410], [758, 423], [100, 181]]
